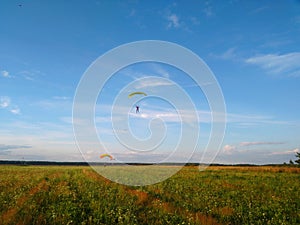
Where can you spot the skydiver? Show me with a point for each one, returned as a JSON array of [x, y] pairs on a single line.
[[137, 109]]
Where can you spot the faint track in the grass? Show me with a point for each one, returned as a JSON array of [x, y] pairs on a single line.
[[143, 198], [8, 216]]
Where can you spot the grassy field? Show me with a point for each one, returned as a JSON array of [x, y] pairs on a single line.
[[218, 195]]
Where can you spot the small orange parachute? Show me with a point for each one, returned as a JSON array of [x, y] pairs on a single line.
[[106, 155]]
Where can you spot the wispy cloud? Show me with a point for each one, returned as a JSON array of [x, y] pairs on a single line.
[[278, 64], [62, 103], [173, 21], [167, 115], [229, 54], [204, 116], [261, 143], [229, 149], [160, 71], [4, 147], [208, 9], [38, 141], [5, 74], [246, 120], [132, 13], [133, 74], [152, 83], [61, 98], [4, 101], [31, 75], [195, 20], [259, 9], [15, 110], [288, 152], [178, 21]]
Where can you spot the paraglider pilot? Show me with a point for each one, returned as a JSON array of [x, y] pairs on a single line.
[[137, 109]]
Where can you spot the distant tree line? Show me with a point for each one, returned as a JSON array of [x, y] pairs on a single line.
[[298, 158], [297, 161]]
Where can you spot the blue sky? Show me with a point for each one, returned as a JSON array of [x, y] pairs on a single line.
[[252, 47]]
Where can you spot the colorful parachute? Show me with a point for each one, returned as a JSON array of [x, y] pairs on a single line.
[[106, 155], [137, 93]]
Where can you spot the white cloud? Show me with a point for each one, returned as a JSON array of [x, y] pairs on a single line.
[[4, 101], [5, 73], [229, 54], [55, 103], [284, 64], [158, 69], [165, 116], [61, 98], [245, 120], [261, 143], [229, 148], [289, 152], [204, 116], [173, 20], [259, 10], [4, 147], [31, 75], [153, 83], [15, 110], [208, 10]]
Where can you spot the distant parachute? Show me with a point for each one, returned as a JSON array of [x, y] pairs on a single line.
[[106, 155], [137, 93]]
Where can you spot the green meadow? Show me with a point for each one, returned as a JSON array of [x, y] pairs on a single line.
[[217, 195]]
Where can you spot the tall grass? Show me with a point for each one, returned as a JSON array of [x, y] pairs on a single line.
[[218, 195]]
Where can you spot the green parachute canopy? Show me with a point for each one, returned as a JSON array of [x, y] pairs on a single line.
[[137, 93]]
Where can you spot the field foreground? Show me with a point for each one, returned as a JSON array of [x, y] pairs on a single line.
[[218, 195]]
